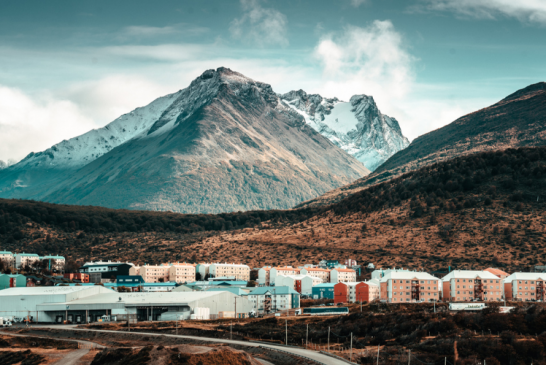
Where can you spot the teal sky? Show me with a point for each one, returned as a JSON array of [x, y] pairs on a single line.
[[70, 66]]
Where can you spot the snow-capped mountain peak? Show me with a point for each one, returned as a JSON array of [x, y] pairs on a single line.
[[357, 126]]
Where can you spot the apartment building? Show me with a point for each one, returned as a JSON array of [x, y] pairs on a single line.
[[203, 270], [525, 286], [342, 275], [155, 273], [263, 276], [273, 299], [472, 285], [182, 273], [106, 271], [356, 292], [238, 271], [303, 284], [77, 277], [8, 258], [323, 274], [412, 287], [25, 259], [380, 273], [56, 263], [285, 270]]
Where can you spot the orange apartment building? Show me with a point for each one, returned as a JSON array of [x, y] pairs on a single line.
[[365, 292], [342, 275], [317, 272], [180, 273], [285, 271], [471, 285], [409, 287], [84, 278], [525, 286]]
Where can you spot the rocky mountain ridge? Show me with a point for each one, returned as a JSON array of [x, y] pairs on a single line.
[[357, 126], [225, 143]]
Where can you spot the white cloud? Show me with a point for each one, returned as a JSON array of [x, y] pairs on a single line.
[[371, 60], [357, 3], [533, 11], [144, 31], [34, 124], [259, 25]]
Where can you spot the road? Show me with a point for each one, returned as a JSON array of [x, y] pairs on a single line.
[[71, 358], [313, 355]]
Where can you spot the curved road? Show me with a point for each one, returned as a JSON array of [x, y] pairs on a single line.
[[313, 355], [71, 358]]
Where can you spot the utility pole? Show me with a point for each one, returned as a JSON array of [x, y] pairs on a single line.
[[307, 336], [377, 354], [360, 305], [177, 325], [231, 330], [286, 327], [409, 357], [328, 338], [434, 306], [235, 307], [351, 355]]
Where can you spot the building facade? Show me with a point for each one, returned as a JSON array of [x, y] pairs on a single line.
[[56, 263], [105, 272], [356, 292], [472, 285], [323, 291], [8, 258], [284, 270], [323, 274], [263, 276], [273, 299], [525, 286], [342, 276], [303, 284], [409, 287], [25, 259], [237, 271]]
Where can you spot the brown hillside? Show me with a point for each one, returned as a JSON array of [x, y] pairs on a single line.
[[518, 120], [486, 209]]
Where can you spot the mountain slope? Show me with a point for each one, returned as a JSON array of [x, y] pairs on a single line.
[[474, 211], [517, 120], [357, 127], [225, 143]]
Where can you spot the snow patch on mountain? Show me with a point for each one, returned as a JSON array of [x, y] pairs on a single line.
[[357, 126], [81, 150]]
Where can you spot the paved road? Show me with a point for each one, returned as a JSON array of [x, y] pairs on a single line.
[[316, 356]]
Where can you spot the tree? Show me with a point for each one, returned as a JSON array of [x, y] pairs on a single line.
[[198, 276], [161, 280], [251, 284]]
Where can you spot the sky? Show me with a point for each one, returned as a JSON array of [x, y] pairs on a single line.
[[70, 66]]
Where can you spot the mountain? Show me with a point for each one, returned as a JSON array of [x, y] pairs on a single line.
[[225, 143], [516, 121], [480, 210], [357, 126]]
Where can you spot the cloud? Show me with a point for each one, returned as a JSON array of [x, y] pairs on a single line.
[[144, 31], [533, 11], [357, 3], [36, 123], [259, 25], [370, 60]]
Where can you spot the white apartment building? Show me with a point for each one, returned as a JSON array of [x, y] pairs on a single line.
[[182, 273], [202, 269], [238, 271], [323, 274], [472, 285], [379, 273], [155, 273], [57, 262], [8, 258], [25, 259], [342, 275], [303, 284], [273, 299], [286, 270], [263, 276]]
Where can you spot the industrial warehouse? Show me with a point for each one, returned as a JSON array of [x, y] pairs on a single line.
[[82, 304]]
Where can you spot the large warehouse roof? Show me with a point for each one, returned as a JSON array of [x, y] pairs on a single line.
[[48, 290], [162, 298]]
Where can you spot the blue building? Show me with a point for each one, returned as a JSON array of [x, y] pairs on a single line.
[[323, 291]]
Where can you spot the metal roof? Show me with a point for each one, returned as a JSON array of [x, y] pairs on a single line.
[[276, 290], [135, 299], [408, 275], [469, 274], [325, 285], [525, 276], [43, 290]]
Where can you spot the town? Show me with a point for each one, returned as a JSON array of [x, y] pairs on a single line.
[[122, 291]]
